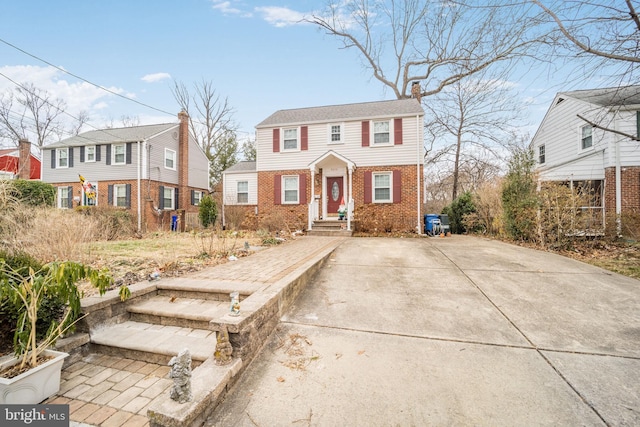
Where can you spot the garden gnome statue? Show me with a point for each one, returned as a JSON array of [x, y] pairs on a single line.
[[181, 375], [224, 350]]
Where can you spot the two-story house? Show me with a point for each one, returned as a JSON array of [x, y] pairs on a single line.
[[158, 172], [363, 160], [584, 141]]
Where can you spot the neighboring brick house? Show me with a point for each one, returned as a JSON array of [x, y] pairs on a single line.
[[156, 171], [570, 149], [309, 161], [19, 162]]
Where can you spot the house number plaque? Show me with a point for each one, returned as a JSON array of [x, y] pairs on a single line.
[[335, 191]]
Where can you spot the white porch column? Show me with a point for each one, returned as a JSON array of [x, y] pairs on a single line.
[[350, 199], [311, 210]]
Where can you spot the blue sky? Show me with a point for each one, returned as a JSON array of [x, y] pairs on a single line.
[[253, 51]]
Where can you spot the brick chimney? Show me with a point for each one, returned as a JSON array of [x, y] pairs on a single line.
[[183, 161], [24, 160], [416, 91]]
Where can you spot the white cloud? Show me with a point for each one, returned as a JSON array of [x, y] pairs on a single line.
[[156, 77], [280, 16], [226, 8]]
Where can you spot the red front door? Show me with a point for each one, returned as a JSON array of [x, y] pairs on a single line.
[[334, 192]]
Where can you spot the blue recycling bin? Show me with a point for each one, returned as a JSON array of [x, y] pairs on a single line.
[[174, 222], [430, 222]]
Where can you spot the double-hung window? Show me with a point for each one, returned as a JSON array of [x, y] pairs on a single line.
[[587, 137], [243, 191], [290, 189], [290, 141], [120, 195], [382, 187], [335, 134], [62, 160], [119, 154], [64, 197], [381, 132], [197, 197], [541, 154], [90, 153], [169, 159], [168, 198]]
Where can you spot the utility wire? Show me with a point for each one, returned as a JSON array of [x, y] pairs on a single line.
[[85, 80]]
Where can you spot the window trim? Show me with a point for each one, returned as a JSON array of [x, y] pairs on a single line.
[[172, 198], [166, 157], [542, 152], [59, 157], [284, 139], [115, 154], [86, 154], [197, 199], [283, 198], [60, 198], [238, 192], [331, 133], [117, 187], [582, 138], [374, 199], [372, 137]]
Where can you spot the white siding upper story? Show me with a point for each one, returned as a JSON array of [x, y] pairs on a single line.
[[348, 142], [160, 161], [240, 185], [572, 148]]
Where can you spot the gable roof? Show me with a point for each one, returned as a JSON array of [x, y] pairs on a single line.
[[117, 135], [9, 152], [360, 111], [242, 166], [607, 97]]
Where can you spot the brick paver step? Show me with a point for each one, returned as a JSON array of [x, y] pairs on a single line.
[[153, 343], [205, 288], [178, 311]]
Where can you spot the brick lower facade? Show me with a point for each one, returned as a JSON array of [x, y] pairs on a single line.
[[630, 196], [152, 219], [368, 217]]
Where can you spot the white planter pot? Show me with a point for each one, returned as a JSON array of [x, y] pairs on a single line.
[[35, 385]]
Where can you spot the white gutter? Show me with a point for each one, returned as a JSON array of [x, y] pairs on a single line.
[[418, 189], [138, 166]]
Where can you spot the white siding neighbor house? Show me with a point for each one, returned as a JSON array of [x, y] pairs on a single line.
[[589, 138]]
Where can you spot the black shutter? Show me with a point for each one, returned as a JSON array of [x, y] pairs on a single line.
[[161, 201], [82, 154], [70, 157], [175, 197], [193, 197], [110, 195], [108, 154], [97, 153], [128, 196], [70, 197], [129, 144], [53, 159]]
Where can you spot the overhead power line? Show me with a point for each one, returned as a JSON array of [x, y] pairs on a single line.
[[85, 80]]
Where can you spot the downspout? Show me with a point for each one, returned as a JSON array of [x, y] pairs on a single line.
[[618, 181], [310, 210], [419, 189], [138, 176]]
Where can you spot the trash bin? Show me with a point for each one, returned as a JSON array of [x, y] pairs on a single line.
[[444, 223], [174, 222], [431, 222]]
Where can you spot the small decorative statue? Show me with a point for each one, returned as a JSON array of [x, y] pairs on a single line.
[[234, 309], [223, 352], [181, 375]]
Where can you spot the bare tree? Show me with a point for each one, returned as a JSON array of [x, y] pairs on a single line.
[[468, 124], [211, 124], [30, 113], [436, 42]]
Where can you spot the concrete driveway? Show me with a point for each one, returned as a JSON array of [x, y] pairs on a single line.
[[448, 331]]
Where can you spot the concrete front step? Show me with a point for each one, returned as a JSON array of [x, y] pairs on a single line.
[[333, 233], [153, 343], [178, 311]]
